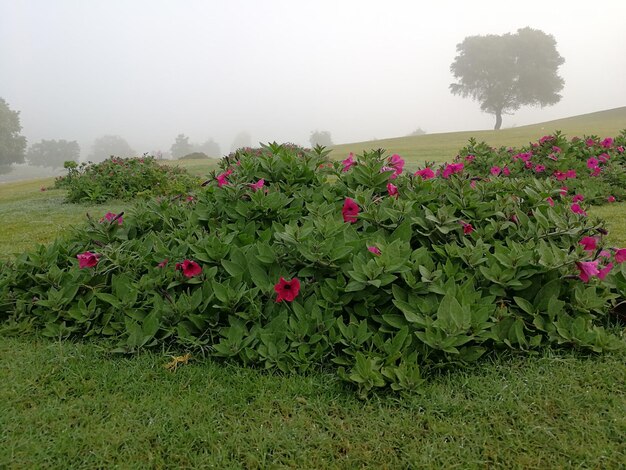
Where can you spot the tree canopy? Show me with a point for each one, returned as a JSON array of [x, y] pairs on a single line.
[[181, 146], [110, 145], [12, 143], [322, 138], [53, 153], [506, 72]]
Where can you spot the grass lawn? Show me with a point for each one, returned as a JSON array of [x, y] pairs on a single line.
[[74, 405]]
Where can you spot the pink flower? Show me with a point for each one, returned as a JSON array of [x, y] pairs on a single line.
[[563, 191], [350, 210], [540, 168], [451, 169], [163, 263], [87, 259], [592, 163], [570, 174], [506, 171], [470, 158], [348, 162], [589, 243], [473, 184], [222, 179], [559, 175], [258, 185], [590, 142], [373, 249], [604, 157], [495, 170], [587, 269], [596, 171], [467, 228], [605, 254], [576, 209], [550, 201], [546, 138], [528, 164], [397, 163], [620, 149], [602, 273], [189, 268], [556, 149], [392, 189], [553, 157], [110, 216], [287, 290], [610, 199], [426, 173], [620, 255], [607, 143], [578, 198]]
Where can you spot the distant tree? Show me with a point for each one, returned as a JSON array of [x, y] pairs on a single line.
[[418, 131], [53, 153], [210, 147], [242, 139], [12, 144], [320, 138], [506, 72], [110, 145], [181, 146]]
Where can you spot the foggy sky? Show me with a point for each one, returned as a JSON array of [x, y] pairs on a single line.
[[148, 70]]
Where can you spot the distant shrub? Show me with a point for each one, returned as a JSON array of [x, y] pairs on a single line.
[[194, 156], [123, 178]]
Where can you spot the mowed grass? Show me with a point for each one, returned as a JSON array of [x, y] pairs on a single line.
[[445, 146], [74, 405]]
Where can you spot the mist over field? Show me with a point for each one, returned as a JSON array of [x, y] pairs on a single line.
[[279, 70]]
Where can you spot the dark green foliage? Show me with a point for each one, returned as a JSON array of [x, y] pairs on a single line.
[[12, 143], [437, 295], [506, 72], [53, 153], [124, 178], [194, 156]]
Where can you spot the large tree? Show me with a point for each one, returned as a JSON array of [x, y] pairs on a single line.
[[506, 72], [12, 144], [109, 146], [322, 138], [53, 153], [181, 146]]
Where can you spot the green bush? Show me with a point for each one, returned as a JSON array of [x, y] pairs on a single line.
[[194, 156], [125, 179], [286, 261]]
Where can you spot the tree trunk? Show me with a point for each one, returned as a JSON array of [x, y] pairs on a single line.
[[498, 120]]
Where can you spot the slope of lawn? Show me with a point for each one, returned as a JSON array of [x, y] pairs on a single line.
[[444, 146]]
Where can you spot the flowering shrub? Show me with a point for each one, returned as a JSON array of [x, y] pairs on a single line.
[[323, 266], [123, 178], [590, 166]]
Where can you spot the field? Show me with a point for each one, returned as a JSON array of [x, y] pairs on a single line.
[[75, 405]]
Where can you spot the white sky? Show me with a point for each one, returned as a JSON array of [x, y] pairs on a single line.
[[279, 69]]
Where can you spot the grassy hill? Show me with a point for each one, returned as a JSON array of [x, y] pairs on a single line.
[[444, 146]]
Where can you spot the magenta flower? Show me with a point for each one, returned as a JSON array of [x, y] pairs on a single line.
[[553, 157], [589, 243], [556, 149], [528, 165], [506, 171], [426, 173], [602, 273], [559, 175], [163, 263], [258, 185], [546, 138], [397, 163], [607, 143], [287, 290], [620, 149], [576, 209], [578, 198], [587, 269], [222, 179], [550, 201], [473, 184], [540, 168], [110, 216], [348, 162], [189, 268], [604, 157], [467, 228], [87, 259], [451, 169], [563, 191], [392, 189], [570, 174], [495, 170], [592, 163], [373, 249], [470, 158], [610, 199], [590, 142], [350, 210], [620, 255], [596, 171]]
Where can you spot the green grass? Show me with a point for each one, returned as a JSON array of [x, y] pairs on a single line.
[[68, 405], [74, 405], [199, 167], [443, 147]]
